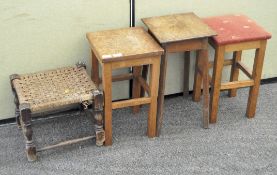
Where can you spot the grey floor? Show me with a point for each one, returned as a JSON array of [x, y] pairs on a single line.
[[235, 145]]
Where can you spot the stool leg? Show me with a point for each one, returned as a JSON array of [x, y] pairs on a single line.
[[107, 87], [234, 72], [197, 79], [154, 80], [163, 67], [25, 114], [95, 69], [205, 69], [136, 86], [98, 115], [186, 73], [216, 82], [256, 74], [144, 76], [17, 113]]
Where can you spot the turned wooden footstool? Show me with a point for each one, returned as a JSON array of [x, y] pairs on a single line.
[[236, 33], [121, 48], [183, 32], [53, 91]]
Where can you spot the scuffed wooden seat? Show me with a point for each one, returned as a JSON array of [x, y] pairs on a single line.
[[55, 90]]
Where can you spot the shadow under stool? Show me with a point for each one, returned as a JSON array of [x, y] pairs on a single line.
[[122, 48], [236, 33], [182, 33]]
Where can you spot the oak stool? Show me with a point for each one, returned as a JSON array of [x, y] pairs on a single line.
[[236, 33], [121, 48], [55, 91], [182, 33]]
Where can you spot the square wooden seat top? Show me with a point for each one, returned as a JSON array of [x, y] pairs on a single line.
[[121, 44], [178, 27]]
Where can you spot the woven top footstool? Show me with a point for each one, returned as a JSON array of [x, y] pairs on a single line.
[[55, 91]]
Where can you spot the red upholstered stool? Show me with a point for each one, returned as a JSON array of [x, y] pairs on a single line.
[[235, 34]]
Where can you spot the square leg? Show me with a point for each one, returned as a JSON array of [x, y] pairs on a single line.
[[256, 74], [95, 69], [234, 72], [163, 67], [186, 73], [205, 74], [216, 82], [107, 87], [154, 80], [197, 79], [136, 91]]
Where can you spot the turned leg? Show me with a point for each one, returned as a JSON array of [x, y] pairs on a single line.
[[234, 72], [98, 115], [186, 73], [216, 82], [25, 114], [197, 79], [160, 107], [136, 86], [17, 113], [256, 74]]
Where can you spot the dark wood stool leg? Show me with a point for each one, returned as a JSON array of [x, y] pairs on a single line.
[[234, 72], [216, 82], [16, 102], [98, 115], [25, 114], [197, 79], [144, 76], [186, 73], [95, 69], [163, 67], [205, 70], [136, 86], [256, 74], [17, 113]]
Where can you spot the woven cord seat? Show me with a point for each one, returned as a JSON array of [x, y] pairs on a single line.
[[55, 90]]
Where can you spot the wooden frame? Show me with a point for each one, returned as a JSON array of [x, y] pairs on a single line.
[[255, 76], [138, 83], [24, 116]]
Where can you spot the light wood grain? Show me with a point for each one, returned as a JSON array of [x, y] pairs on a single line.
[[122, 44], [216, 82], [236, 84], [131, 102], [177, 27], [256, 74], [107, 87], [234, 75]]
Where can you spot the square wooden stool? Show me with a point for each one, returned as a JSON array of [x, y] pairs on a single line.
[[235, 34], [55, 91], [120, 48], [182, 33]]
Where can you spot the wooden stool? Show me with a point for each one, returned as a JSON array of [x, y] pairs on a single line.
[[182, 33], [129, 47], [235, 34], [53, 91]]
